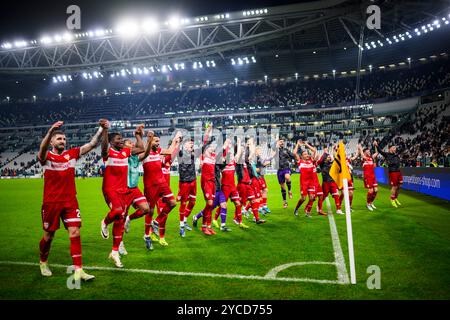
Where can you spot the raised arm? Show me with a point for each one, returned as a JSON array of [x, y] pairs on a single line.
[[148, 146], [174, 146], [105, 141], [313, 150], [297, 145], [378, 150], [239, 149], [94, 140], [42, 154], [252, 149], [139, 146]]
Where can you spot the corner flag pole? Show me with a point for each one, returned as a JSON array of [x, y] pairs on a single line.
[[348, 218]]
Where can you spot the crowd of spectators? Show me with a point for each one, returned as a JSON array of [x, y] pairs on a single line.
[[318, 93]]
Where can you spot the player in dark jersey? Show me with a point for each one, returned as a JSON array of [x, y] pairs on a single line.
[[187, 190], [60, 202], [328, 184], [285, 158], [395, 176]]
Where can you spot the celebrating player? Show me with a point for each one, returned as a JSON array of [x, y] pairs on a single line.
[[285, 158], [60, 200], [116, 188], [261, 164], [370, 182], [244, 187], [308, 183], [328, 184], [395, 176], [187, 191], [156, 187]]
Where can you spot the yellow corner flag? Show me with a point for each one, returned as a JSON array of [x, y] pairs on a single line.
[[339, 169]]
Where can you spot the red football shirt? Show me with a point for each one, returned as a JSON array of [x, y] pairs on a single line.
[[153, 174], [115, 177], [307, 170], [368, 167], [208, 167], [59, 176], [228, 174]]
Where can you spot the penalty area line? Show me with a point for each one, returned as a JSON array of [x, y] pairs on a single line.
[[192, 274]]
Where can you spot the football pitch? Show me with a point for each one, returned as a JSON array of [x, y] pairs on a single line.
[[287, 258]]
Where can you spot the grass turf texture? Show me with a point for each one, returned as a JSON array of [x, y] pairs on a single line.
[[411, 245]]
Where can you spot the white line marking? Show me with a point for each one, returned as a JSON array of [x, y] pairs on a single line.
[[273, 272], [193, 274], [338, 254]]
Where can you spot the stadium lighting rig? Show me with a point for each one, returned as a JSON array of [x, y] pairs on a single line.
[[420, 30], [242, 60]]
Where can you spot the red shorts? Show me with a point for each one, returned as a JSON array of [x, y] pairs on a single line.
[[256, 187], [318, 187], [230, 192], [53, 212], [159, 191], [245, 192], [330, 187], [370, 182], [187, 191], [262, 182], [209, 189], [395, 178], [307, 187]]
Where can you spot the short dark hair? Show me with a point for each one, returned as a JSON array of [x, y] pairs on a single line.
[[112, 135], [365, 149], [54, 133]]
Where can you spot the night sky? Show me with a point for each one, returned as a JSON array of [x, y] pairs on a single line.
[[29, 20]]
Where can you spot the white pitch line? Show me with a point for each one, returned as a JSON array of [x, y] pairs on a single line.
[[338, 254], [178, 273]]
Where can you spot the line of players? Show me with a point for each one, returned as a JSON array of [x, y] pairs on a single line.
[[121, 176], [308, 160]]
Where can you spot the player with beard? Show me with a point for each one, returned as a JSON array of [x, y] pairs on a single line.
[[156, 187], [60, 201]]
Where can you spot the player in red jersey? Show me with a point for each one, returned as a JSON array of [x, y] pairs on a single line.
[[156, 187], [60, 201], [244, 187], [118, 195], [370, 182], [207, 179], [308, 182], [166, 165], [228, 186], [261, 164]]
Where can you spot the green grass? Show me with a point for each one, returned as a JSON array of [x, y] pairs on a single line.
[[411, 245]]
